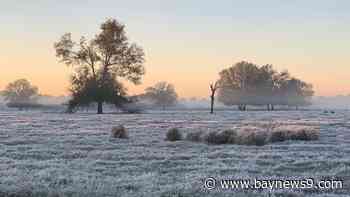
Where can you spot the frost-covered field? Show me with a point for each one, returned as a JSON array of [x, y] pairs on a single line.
[[53, 154]]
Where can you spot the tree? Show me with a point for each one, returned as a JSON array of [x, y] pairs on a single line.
[[213, 88], [239, 84], [99, 62], [265, 86], [291, 91], [298, 93], [162, 94], [279, 93], [248, 84], [20, 94]]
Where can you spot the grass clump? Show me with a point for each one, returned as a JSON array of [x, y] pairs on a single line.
[[277, 136], [256, 136], [213, 137], [224, 137], [295, 132], [195, 136], [174, 134], [119, 132], [252, 136]]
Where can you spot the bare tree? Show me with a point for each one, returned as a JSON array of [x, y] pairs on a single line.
[[162, 94], [213, 88], [101, 60]]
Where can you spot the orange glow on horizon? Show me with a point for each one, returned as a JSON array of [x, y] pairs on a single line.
[[191, 65]]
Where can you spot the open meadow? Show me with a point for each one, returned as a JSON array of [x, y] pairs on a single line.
[[56, 154]]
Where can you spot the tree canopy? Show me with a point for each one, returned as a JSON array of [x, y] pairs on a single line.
[[162, 94], [248, 84], [99, 63], [20, 93]]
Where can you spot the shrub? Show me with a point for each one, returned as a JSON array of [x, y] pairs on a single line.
[[196, 136], [252, 136], [295, 132], [225, 137], [119, 132], [213, 137], [230, 136], [243, 136], [258, 136], [261, 138], [173, 134], [277, 136], [313, 134]]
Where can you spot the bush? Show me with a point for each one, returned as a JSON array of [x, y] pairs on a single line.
[[196, 136], [173, 134], [277, 136], [224, 137], [213, 137], [261, 138], [252, 136], [119, 132], [229, 136], [295, 132], [258, 136]]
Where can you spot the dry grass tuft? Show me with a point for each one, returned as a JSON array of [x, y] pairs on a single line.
[[277, 136], [230, 136], [213, 137], [223, 137], [195, 136], [252, 136], [119, 132], [295, 132], [256, 135], [174, 134]]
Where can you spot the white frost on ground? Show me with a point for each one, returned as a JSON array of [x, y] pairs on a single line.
[[43, 154]]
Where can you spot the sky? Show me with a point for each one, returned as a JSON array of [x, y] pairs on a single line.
[[186, 42]]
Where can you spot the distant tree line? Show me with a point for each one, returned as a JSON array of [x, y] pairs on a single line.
[[246, 83]]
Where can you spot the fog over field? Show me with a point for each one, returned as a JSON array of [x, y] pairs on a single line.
[[318, 102], [335, 102]]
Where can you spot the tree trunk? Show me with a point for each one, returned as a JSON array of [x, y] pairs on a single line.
[[242, 107], [212, 104], [213, 88], [99, 107]]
